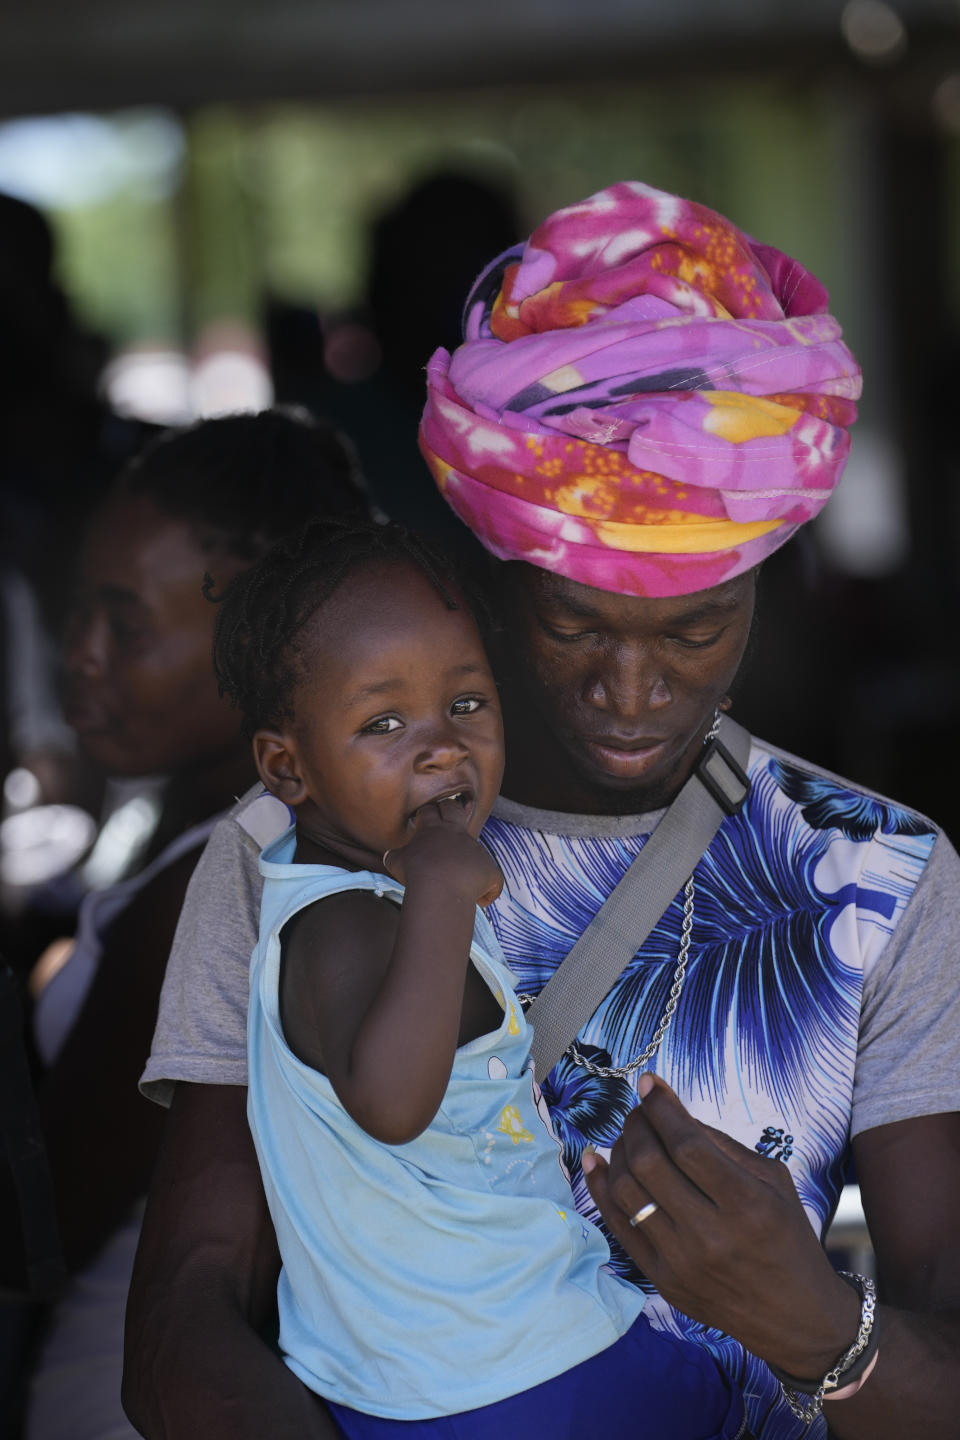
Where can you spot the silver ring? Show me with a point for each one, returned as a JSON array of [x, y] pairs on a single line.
[[644, 1213]]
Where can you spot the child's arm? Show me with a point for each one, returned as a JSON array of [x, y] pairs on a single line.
[[372, 995]]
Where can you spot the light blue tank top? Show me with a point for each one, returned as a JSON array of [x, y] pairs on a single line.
[[432, 1277]]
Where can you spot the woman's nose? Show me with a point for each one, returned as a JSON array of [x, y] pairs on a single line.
[[85, 646], [628, 683]]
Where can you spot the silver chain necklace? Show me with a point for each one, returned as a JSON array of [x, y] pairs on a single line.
[[607, 1072]]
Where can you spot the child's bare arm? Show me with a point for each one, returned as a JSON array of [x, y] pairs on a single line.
[[372, 995]]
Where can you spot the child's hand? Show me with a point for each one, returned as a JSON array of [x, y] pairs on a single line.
[[444, 852]]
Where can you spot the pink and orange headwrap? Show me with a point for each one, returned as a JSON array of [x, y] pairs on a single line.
[[646, 400]]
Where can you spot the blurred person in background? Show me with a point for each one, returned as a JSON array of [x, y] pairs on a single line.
[[60, 445], [365, 368], [141, 695]]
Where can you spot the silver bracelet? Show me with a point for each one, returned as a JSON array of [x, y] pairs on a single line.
[[861, 1351]]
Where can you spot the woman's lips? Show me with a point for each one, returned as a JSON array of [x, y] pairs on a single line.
[[625, 762], [85, 718]]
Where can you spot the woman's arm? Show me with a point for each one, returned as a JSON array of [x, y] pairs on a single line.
[[100, 1133], [369, 993], [909, 1175], [730, 1245], [204, 1290]]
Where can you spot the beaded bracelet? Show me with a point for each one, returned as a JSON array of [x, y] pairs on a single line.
[[852, 1365]]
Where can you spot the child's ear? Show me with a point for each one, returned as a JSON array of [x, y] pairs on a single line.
[[274, 754]]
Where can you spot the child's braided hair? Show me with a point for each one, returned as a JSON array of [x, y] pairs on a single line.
[[256, 651]]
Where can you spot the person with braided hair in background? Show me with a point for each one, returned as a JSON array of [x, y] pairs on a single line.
[[141, 695]]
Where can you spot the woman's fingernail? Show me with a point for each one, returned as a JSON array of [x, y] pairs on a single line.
[[588, 1160], [645, 1085]]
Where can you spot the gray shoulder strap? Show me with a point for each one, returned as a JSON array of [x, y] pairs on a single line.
[[717, 788]]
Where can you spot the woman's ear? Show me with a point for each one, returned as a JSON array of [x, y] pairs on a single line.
[[275, 757]]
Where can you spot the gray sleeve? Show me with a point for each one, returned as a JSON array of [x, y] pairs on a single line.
[[908, 1060], [201, 1032]]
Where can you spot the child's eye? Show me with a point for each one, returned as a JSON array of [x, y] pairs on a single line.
[[383, 725], [467, 705]]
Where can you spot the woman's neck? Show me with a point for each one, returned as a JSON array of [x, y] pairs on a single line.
[[195, 794]]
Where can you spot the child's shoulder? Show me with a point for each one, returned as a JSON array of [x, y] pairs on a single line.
[[339, 918], [331, 949]]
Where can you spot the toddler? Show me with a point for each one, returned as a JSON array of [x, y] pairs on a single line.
[[437, 1279]]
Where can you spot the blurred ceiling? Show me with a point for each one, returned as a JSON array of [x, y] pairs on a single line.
[[105, 54]]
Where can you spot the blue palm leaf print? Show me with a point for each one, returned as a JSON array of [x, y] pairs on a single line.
[[550, 907], [590, 1109], [761, 965], [586, 1108], [826, 804], [796, 895]]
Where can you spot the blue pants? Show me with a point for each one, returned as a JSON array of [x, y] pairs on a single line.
[[647, 1386]]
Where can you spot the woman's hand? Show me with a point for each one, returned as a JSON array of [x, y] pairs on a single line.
[[729, 1243]]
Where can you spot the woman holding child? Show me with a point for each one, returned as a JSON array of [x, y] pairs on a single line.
[[645, 405]]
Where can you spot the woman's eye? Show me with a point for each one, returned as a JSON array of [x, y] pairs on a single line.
[[565, 637], [383, 725], [692, 642], [467, 705], [125, 632]]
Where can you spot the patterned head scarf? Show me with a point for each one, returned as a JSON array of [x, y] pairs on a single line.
[[646, 400]]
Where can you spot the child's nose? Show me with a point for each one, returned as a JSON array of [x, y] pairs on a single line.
[[442, 750]]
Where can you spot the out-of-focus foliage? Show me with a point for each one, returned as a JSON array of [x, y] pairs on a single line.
[[279, 198]]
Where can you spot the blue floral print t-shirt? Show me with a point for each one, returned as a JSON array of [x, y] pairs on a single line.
[[810, 928]]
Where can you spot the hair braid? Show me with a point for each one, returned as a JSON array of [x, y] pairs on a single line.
[[256, 654]]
